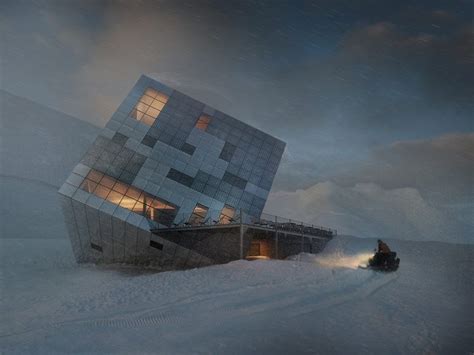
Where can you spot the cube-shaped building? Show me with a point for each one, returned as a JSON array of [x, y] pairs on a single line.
[[165, 162]]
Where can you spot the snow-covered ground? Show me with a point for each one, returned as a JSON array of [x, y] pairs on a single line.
[[319, 304]]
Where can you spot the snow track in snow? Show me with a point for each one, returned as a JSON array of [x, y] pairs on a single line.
[[277, 307]]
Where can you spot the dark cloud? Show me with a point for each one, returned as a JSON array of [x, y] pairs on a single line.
[[409, 190], [442, 169]]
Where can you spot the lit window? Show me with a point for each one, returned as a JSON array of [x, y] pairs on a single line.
[[129, 197], [161, 97], [133, 193], [203, 122], [227, 215], [136, 114], [199, 214], [157, 104], [153, 112], [149, 106], [114, 197], [88, 185], [102, 191], [141, 107], [151, 92], [120, 187], [108, 181], [95, 176], [128, 203], [148, 120]]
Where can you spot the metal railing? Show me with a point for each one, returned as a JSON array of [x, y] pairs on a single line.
[[216, 218]]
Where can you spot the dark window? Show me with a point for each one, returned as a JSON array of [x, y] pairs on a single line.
[[234, 180], [188, 148], [156, 245], [227, 151], [180, 177], [149, 141], [96, 247], [119, 138]]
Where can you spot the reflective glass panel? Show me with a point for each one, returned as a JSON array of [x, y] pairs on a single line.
[[136, 114], [88, 185], [120, 187], [108, 181], [133, 192], [227, 215], [203, 122], [102, 191], [114, 197], [128, 203], [162, 97], [148, 120], [142, 107], [95, 175], [153, 112], [151, 92], [198, 215], [146, 99], [157, 104]]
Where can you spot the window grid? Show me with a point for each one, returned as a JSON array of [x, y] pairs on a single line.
[[227, 215], [199, 214], [129, 197], [149, 106]]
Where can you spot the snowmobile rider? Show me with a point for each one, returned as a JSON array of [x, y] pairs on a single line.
[[382, 247]]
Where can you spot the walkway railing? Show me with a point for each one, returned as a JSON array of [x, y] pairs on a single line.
[[216, 218]]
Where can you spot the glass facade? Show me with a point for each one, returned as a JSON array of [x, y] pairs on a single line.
[[129, 197], [227, 215], [199, 215], [203, 122], [187, 164], [149, 106]]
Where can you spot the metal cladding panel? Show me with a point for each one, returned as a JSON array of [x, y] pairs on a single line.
[[130, 243], [92, 216], [66, 205], [118, 236], [81, 226], [105, 221]]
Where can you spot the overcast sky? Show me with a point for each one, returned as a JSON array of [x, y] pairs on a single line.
[[361, 91]]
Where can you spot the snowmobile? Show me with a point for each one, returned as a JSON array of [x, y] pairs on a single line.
[[384, 261]]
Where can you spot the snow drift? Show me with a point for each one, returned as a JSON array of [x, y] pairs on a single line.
[[51, 305]]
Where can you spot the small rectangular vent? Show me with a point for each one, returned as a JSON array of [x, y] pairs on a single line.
[[156, 245], [96, 247]]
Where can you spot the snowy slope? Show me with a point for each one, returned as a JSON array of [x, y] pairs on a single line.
[[50, 305], [40, 143], [38, 149]]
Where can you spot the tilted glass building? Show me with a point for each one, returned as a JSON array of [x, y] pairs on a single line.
[[173, 182]]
